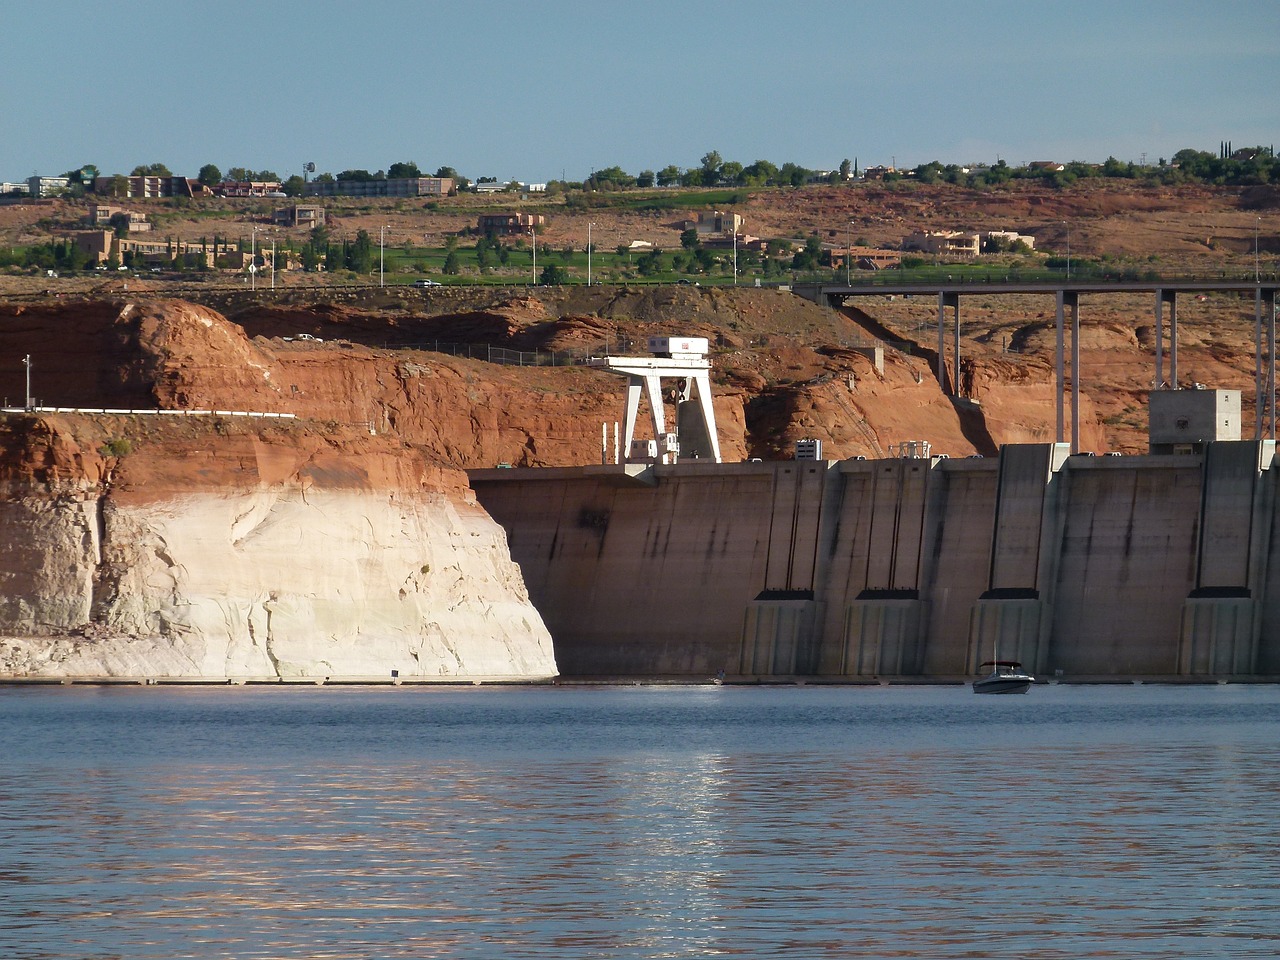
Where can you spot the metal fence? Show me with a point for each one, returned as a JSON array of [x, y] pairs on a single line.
[[518, 358]]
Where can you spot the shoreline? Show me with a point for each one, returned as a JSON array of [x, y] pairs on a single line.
[[505, 681]]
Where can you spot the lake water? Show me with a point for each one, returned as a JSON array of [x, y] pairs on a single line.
[[1122, 821]]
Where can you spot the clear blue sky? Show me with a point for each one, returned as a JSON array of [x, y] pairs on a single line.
[[537, 91]]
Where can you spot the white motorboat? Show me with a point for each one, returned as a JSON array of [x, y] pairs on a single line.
[[1006, 676]]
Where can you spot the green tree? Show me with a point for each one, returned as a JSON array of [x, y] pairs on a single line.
[[553, 275], [361, 256], [403, 171], [119, 223], [209, 175], [731, 171], [846, 169], [711, 161], [610, 178], [668, 175], [310, 258], [650, 263], [293, 187], [689, 239], [759, 173], [646, 178], [151, 170], [451, 263]]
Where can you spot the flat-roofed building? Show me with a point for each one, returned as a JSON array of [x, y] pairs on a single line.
[[509, 224], [45, 186], [394, 187], [140, 187], [948, 243], [1008, 238], [100, 215], [309, 215]]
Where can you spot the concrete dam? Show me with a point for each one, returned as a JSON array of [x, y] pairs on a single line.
[[1080, 567]]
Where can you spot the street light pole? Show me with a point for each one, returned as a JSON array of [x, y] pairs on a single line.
[[533, 235], [735, 251], [26, 362], [1257, 275], [253, 259], [273, 262], [382, 273], [848, 256], [589, 226], [1068, 226]]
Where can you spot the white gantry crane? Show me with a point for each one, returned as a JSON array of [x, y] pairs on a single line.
[[694, 436]]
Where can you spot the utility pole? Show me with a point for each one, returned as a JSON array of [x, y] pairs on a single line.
[[382, 236], [589, 226], [26, 362], [848, 256], [735, 249]]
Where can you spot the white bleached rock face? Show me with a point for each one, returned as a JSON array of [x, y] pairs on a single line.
[[288, 581], [278, 582]]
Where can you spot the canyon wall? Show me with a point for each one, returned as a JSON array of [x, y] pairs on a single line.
[[210, 547]]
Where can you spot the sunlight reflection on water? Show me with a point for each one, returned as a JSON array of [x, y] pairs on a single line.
[[639, 822]]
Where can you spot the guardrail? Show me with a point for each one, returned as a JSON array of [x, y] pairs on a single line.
[[127, 411]]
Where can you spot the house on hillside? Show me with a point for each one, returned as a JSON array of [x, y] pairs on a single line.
[[100, 215], [509, 224], [998, 239], [308, 215], [948, 243], [712, 223]]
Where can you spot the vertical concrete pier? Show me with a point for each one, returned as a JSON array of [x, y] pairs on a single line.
[[1136, 566], [1007, 621]]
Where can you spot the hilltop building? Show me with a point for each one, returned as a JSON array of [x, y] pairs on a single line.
[[509, 224], [948, 243], [45, 186], [309, 215], [143, 187], [100, 215], [394, 187]]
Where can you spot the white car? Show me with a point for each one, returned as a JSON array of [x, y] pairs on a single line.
[[426, 283]]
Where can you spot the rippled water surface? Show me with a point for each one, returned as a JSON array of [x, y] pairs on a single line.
[[1118, 821]]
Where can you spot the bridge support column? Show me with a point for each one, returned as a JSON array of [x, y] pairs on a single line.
[[1068, 299]]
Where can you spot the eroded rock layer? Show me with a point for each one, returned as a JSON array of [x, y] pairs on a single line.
[[206, 546]]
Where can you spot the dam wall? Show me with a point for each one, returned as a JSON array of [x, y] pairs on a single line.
[[1077, 566]]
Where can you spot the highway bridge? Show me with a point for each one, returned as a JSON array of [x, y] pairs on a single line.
[[1067, 294]]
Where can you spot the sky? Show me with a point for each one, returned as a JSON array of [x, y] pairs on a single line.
[[538, 91]]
